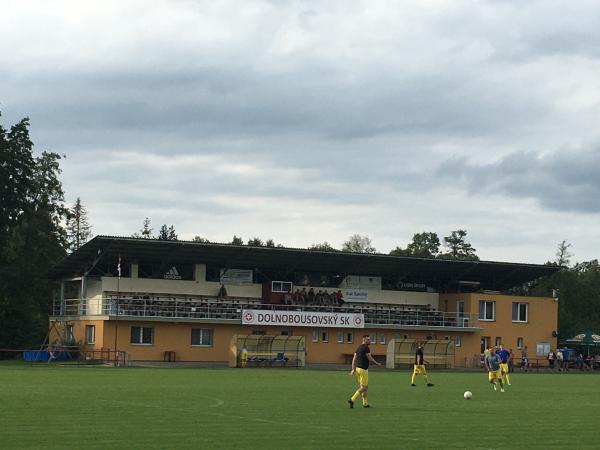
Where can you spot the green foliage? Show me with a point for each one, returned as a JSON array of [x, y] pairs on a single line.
[[324, 247], [237, 240], [78, 227], [458, 248], [145, 232], [358, 244], [255, 242], [423, 245], [201, 240], [31, 236], [578, 292], [167, 233]]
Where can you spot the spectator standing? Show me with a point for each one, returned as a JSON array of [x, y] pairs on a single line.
[[551, 357], [339, 297], [559, 359], [511, 361], [311, 297], [222, 292]]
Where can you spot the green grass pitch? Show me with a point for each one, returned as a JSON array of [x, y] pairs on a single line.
[[54, 407]]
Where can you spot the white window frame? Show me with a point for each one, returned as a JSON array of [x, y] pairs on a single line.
[[498, 341], [520, 342], [340, 337], [457, 340], [382, 338], [518, 305], [281, 286], [485, 310], [203, 331], [140, 340], [90, 339], [315, 336], [325, 336], [542, 348], [373, 338]]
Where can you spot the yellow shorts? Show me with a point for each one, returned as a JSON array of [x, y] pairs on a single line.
[[362, 375], [419, 369], [494, 374], [504, 367]]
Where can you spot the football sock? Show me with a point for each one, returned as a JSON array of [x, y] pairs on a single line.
[[356, 395]]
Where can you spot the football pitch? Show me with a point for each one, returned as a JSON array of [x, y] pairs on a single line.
[[54, 407]]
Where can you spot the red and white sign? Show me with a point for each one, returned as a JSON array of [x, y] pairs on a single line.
[[302, 319]]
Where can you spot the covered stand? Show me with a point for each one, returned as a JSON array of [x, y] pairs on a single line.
[[266, 351], [401, 353]]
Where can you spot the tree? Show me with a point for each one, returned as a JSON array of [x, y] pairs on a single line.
[[358, 244], [270, 243], [145, 232], [563, 255], [32, 238], [423, 245], [167, 234], [201, 240], [458, 247], [323, 247], [79, 230], [255, 242], [237, 240]]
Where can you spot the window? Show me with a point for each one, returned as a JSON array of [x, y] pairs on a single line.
[[202, 336], [259, 332], [486, 310], [382, 338], [519, 312], [281, 286], [498, 341], [457, 341], [374, 338], [519, 342], [542, 348], [349, 338], [485, 343], [141, 335], [315, 336], [90, 334], [324, 336], [340, 337]]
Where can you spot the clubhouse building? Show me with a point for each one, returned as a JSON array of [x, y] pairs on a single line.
[[155, 300]]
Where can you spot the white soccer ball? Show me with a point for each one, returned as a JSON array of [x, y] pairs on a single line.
[[467, 395]]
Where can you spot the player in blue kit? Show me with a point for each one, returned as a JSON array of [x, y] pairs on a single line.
[[504, 355]]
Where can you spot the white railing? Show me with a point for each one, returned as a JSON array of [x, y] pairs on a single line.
[[230, 309]]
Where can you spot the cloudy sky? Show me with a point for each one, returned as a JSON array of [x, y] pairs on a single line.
[[310, 121]]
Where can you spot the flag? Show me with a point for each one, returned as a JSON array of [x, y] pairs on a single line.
[[119, 267]]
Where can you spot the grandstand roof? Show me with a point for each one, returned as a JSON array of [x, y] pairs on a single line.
[[437, 273]]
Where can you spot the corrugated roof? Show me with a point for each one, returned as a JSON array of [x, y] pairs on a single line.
[[436, 272]]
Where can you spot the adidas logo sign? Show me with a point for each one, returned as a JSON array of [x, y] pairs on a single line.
[[172, 274]]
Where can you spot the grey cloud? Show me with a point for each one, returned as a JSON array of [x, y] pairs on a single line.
[[562, 181]]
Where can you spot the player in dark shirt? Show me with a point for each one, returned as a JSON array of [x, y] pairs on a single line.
[[360, 368], [419, 367]]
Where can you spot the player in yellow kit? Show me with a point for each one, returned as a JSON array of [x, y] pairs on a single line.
[[419, 367], [360, 368]]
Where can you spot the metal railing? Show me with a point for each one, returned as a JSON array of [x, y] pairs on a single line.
[[230, 309]]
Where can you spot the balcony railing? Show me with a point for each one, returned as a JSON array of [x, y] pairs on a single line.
[[210, 308]]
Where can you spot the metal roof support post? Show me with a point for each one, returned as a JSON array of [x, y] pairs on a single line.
[[62, 297]]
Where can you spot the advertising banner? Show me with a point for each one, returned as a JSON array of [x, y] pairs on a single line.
[[355, 295], [236, 276], [302, 319]]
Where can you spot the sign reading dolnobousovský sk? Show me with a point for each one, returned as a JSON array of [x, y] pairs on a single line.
[[302, 318]]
